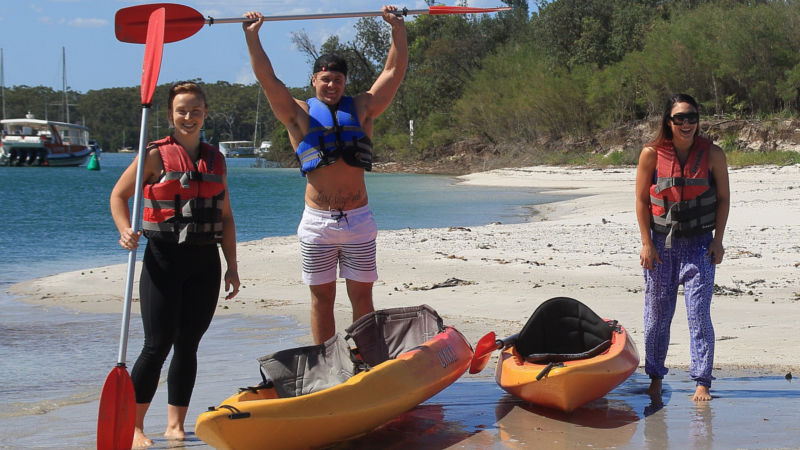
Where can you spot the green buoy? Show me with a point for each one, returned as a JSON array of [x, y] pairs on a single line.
[[94, 163]]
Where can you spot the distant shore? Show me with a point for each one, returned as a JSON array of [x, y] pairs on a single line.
[[492, 277]]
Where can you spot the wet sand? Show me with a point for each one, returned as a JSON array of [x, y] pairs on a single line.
[[758, 410], [745, 413]]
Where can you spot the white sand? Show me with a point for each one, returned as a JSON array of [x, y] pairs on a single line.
[[586, 248]]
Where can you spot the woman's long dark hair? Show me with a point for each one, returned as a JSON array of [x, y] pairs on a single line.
[[665, 131]]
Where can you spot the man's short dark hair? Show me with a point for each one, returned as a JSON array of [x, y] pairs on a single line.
[[331, 63]]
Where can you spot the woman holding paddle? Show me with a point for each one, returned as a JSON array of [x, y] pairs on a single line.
[[187, 212], [682, 202]]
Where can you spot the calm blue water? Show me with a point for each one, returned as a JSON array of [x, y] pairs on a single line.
[[53, 362], [58, 220]]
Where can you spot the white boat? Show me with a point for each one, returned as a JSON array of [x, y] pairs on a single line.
[[263, 156], [36, 142], [235, 149], [263, 151]]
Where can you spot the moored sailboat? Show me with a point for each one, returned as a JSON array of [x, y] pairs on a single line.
[[36, 142]]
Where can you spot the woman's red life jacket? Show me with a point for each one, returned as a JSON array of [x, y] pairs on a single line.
[[185, 205], [683, 199]]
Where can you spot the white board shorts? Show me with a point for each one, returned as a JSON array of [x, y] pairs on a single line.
[[338, 238]]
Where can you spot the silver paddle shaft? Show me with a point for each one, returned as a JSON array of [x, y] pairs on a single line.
[[343, 15], [136, 224]]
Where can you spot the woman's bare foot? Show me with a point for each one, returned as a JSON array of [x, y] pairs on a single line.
[[655, 387], [175, 434], [140, 440], [176, 416], [702, 394]]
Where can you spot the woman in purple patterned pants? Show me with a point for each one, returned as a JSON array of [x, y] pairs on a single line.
[[682, 203]]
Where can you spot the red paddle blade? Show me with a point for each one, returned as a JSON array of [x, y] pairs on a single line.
[[464, 10], [130, 23], [483, 350], [153, 49], [117, 417]]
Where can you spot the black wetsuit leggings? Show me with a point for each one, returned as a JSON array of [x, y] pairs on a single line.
[[179, 288]]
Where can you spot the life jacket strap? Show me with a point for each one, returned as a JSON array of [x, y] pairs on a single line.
[[185, 177], [685, 228], [362, 149], [663, 183], [705, 199]]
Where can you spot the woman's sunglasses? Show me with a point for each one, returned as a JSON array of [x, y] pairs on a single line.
[[680, 119]]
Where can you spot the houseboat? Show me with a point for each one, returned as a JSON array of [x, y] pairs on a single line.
[[235, 149]]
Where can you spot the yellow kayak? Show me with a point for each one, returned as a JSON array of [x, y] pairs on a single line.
[[602, 356], [258, 419]]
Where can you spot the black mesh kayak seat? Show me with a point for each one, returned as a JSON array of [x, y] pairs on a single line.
[[563, 329], [379, 336], [384, 334]]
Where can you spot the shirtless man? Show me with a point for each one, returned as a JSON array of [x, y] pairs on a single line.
[[331, 134]]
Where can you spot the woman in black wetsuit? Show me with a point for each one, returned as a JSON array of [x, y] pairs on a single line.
[[186, 213]]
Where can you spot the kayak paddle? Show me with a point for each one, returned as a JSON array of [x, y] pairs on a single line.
[[484, 348], [117, 416], [182, 21]]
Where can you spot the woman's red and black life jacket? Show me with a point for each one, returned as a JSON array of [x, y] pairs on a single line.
[[683, 199], [185, 205]]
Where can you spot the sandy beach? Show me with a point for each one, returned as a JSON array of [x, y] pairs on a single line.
[[492, 277]]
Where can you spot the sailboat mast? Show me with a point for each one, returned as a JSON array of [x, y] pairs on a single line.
[[65, 112], [255, 128], [2, 83]]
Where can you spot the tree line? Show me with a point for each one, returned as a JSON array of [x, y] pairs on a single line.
[[559, 70]]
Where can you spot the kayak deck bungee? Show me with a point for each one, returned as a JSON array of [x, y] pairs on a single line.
[[257, 418], [566, 378]]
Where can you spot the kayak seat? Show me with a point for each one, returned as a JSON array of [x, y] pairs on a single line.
[[384, 334], [563, 329], [303, 370], [378, 336]]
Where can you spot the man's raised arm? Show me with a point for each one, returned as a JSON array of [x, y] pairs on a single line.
[[285, 107], [382, 92]]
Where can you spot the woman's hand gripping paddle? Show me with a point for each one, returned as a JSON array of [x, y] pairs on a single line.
[[130, 23], [117, 416], [484, 348]]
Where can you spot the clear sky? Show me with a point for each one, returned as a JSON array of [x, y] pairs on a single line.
[[33, 32]]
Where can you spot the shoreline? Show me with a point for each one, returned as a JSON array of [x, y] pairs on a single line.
[[492, 277]]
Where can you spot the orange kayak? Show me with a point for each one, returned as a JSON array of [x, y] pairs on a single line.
[[257, 418], [560, 382]]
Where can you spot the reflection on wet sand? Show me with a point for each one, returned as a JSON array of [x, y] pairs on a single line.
[[655, 427], [474, 413], [423, 427], [755, 412], [602, 423], [456, 415], [698, 419], [477, 414], [700, 425]]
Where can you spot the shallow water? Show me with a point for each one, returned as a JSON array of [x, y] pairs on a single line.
[[58, 361], [58, 220]]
